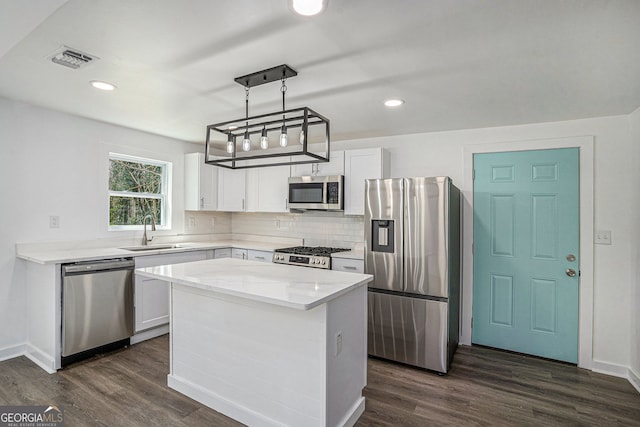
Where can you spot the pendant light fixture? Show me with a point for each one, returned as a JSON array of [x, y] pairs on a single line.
[[220, 148], [264, 139], [283, 131], [246, 141]]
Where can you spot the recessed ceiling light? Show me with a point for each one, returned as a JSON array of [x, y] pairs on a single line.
[[393, 102], [308, 7], [102, 85]]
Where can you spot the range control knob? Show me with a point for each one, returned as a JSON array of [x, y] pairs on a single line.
[[324, 262]]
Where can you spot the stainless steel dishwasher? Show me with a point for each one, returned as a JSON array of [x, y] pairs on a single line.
[[97, 307]]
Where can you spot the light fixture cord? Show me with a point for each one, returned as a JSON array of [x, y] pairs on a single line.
[[283, 89], [246, 107]]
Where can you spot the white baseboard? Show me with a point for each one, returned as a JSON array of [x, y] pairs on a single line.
[[41, 359], [354, 413], [13, 351], [634, 379], [610, 369], [148, 334], [218, 403]]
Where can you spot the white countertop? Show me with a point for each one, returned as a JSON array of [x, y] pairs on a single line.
[[63, 255], [353, 254], [301, 288]]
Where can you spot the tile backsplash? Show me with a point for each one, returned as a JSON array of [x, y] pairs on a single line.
[[197, 222], [316, 228]]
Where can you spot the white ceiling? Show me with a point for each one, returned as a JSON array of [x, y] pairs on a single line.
[[458, 64]]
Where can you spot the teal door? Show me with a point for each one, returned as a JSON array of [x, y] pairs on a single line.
[[525, 257]]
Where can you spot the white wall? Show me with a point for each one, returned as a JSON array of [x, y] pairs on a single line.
[[441, 153], [634, 120], [55, 164]]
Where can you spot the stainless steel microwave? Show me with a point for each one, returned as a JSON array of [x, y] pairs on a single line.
[[322, 193]]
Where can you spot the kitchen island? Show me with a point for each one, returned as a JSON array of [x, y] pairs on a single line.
[[268, 344]]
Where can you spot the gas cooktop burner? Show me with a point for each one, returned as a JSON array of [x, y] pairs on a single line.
[[307, 256], [311, 250]]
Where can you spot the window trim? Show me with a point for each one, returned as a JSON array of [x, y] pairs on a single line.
[[163, 223]]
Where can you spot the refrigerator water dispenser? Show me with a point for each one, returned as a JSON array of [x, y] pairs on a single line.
[[382, 235]]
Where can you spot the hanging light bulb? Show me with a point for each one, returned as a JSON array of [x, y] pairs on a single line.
[[283, 136], [264, 140], [246, 142], [230, 143]]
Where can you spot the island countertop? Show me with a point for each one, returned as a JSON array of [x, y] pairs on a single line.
[[296, 287]]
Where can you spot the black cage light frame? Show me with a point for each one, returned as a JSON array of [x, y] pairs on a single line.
[[303, 118]]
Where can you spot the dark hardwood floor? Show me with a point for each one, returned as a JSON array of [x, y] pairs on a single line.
[[484, 387]]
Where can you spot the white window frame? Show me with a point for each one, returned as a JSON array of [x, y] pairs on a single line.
[[162, 223]]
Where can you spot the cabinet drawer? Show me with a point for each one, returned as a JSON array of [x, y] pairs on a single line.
[[172, 258], [348, 264], [239, 253], [260, 255], [222, 253]]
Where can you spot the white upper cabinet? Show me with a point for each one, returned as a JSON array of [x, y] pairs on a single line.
[[335, 166], [200, 184], [268, 189], [370, 163], [231, 190]]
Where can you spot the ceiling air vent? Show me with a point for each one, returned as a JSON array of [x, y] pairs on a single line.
[[72, 58]]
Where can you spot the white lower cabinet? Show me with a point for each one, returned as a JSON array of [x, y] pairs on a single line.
[[222, 253], [264, 256], [239, 253], [151, 296], [347, 264]]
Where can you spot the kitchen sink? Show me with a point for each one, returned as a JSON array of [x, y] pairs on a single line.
[[142, 248]]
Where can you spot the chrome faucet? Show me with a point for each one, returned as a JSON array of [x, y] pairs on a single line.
[[145, 240]]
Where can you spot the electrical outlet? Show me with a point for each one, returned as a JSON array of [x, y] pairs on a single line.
[[54, 221], [192, 222], [277, 224], [603, 237], [338, 343]]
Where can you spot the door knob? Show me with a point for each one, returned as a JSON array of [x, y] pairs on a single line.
[[571, 272], [571, 257]]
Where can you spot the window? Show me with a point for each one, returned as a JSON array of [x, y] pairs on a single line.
[[137, 187]]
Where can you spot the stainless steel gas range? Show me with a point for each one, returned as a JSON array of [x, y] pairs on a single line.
[[306, 256]]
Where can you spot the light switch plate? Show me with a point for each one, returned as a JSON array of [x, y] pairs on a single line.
[[603, 237]]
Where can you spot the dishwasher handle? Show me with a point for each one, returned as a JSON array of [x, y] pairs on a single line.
[[96, 266]]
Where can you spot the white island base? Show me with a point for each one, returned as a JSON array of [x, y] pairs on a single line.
[[295, 355]]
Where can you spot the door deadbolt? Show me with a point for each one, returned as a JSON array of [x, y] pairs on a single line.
[[571, 272], [571, 257]]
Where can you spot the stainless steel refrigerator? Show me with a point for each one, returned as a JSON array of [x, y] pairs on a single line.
[[412, 248]]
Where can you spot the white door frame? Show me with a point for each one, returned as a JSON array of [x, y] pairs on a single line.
[[585, 307]]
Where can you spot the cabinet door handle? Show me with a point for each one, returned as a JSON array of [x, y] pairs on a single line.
[[286, 203], [349, 267], [259, 257], [242, 204], [202, 202]]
